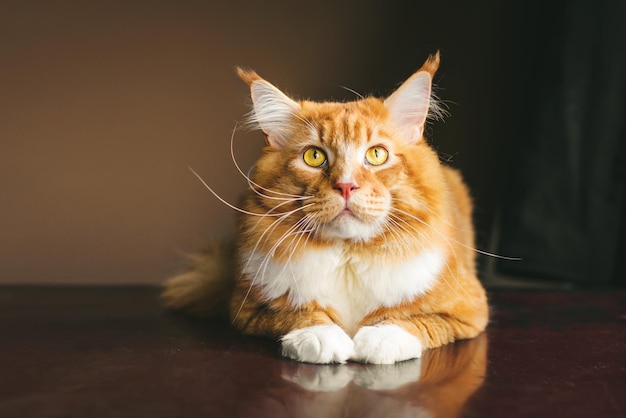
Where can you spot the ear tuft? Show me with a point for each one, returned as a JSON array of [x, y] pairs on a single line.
[[272, 111], [432, 64], [247, 75]]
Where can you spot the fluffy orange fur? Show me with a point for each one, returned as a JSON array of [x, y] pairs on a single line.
[[366, 225]]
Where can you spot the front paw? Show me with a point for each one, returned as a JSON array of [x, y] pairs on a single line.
[[320, 344], [385, 344]]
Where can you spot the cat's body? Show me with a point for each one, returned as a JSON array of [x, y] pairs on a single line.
[[356, 242]]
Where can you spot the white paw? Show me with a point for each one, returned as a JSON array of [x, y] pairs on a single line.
[[320, 344], [385, 344]]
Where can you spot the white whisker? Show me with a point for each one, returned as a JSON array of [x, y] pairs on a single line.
[[306, 122], [438, 215], [502, 257], [271, 253], [249, 180], [235, 207], [356, 93], [267, 230], [425, 238], [261, 270]]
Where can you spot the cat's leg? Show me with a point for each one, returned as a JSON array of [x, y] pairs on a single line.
[[395, 334], [307, 333]]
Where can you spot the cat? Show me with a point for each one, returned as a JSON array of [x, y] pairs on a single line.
[[354, 242]]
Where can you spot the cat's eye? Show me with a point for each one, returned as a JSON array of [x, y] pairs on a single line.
[[376, 155], [314, 157]]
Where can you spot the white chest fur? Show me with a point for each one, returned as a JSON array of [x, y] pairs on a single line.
[[352, 286]]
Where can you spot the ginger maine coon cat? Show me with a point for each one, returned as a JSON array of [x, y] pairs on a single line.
[[354, 242]]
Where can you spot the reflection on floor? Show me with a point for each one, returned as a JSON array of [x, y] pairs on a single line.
[[438, 384], [102, 352]]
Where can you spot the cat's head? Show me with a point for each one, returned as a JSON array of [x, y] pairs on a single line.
[[355, 169]]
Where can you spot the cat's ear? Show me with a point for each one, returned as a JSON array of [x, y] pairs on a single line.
[[272, 110], [409, 105]]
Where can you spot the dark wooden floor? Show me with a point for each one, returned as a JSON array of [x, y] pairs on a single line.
[[112, 352]]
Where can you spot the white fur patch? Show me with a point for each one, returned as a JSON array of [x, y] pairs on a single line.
[[349, 227], [385, 344], [354, 286], [318, 344]]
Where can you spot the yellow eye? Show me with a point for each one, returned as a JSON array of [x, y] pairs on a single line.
[[376, 155], [314, 157]]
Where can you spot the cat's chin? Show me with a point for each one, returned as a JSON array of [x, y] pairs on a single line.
[[346, 226]]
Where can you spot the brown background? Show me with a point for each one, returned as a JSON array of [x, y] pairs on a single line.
[[104, 105]]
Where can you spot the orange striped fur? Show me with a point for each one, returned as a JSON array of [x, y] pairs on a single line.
[[348, 260]]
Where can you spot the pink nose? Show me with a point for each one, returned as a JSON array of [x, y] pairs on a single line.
[[346, 188]]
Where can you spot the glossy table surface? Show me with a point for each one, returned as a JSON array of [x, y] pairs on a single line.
[[113, 352]]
